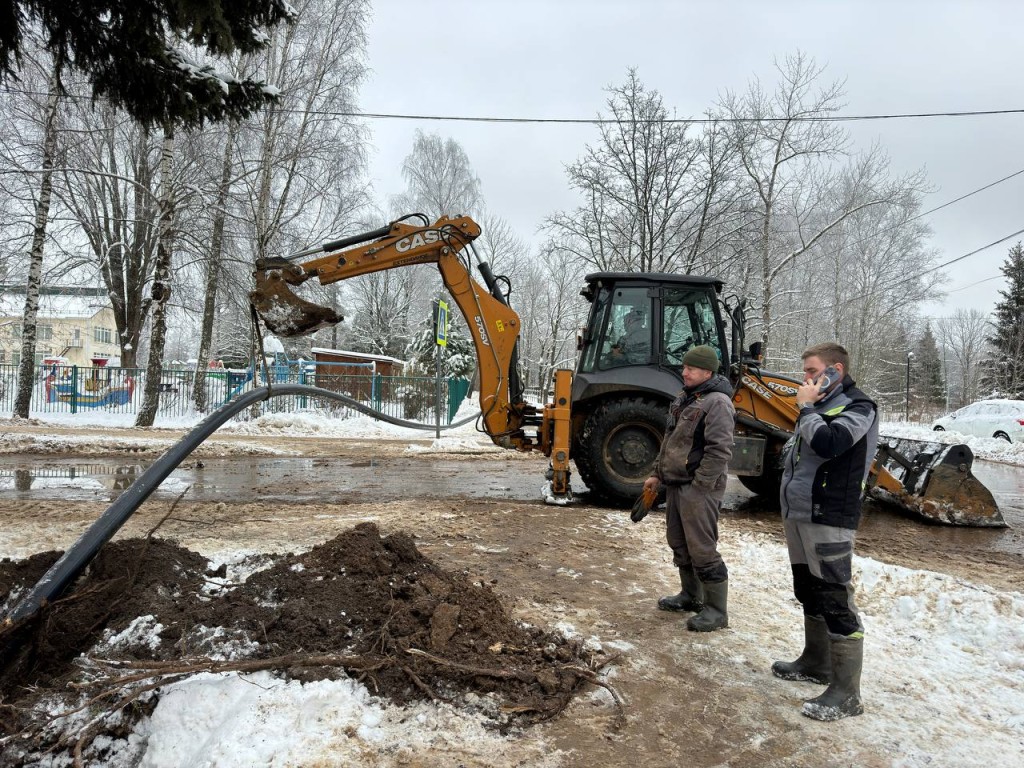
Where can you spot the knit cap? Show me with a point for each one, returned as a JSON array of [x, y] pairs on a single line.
[[702, 356]]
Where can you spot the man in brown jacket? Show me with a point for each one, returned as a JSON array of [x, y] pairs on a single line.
[[692, 466]]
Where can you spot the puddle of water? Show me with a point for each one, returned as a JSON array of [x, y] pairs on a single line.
[[295, 480]]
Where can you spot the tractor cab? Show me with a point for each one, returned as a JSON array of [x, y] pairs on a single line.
[[649, 320]]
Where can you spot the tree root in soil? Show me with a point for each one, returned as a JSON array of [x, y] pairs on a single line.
[[112, 692]]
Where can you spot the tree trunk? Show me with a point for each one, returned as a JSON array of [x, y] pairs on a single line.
[[213, 267], [26, 368], [161, 286]]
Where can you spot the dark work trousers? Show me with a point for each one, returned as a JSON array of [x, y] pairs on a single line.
[[692, 530], [822, 560]]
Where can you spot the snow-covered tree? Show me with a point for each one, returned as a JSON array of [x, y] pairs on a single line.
[[458, 358], [1004, 370], [141, 56], [439, 179]]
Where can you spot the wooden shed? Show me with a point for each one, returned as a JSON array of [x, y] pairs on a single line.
[[353, 372]]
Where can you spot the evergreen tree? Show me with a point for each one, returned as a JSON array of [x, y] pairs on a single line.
[[136, 52], [1005, 368], [927, 375], [459, 359]]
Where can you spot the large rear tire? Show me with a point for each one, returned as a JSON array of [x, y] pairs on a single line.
[[766, 484], [618, 447]]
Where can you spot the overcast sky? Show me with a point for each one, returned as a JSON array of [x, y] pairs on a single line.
[[555, 59]]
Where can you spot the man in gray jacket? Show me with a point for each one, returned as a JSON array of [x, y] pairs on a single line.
[[825, 469], [692, 466]]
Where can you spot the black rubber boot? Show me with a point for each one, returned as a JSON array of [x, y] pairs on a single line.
[[814, 665], [714, 616], [690, 599], [842, 697]]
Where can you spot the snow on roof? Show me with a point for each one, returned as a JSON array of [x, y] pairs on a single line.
[[54, 306], [357, 355]]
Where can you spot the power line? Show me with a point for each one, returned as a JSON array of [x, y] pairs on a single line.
[[961, 258], [979, 282], [974, 192], [677, 120], [605, 120], [911, 278]]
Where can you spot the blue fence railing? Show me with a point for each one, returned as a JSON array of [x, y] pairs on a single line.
[[72, 390]]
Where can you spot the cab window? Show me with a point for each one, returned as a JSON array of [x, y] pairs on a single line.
[[688, 319], [624, 319]]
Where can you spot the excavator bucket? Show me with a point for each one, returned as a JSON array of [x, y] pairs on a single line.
[[285, 313], [933, 481]]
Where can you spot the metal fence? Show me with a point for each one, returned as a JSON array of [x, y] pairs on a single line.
[[77, 390]]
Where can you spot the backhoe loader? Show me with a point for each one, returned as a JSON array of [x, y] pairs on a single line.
[[609, 415]]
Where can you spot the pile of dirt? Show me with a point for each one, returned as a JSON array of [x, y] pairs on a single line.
[[364, 605]]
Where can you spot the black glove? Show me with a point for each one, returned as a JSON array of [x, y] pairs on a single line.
[[639, 510], [643, 504]]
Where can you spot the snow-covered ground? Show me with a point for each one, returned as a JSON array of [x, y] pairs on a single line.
[[943, 685]]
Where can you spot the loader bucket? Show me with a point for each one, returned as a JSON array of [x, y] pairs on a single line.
[[933, 481], [285, 313]]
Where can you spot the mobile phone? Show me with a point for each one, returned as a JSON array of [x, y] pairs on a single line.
[[828, 377]]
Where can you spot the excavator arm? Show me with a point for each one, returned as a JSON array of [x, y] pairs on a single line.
[[493, 324]]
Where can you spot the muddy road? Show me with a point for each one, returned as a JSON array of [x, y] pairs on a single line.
[[695, 700]]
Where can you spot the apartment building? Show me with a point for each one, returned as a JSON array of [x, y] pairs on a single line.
[[75, 323]]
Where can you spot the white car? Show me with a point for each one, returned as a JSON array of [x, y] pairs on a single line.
[[987, 418]]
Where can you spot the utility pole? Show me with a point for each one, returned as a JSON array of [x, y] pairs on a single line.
[[945, 375], [909, 356]]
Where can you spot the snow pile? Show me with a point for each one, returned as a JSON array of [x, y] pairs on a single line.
[[262, 720], [462, 439], [943, 658]]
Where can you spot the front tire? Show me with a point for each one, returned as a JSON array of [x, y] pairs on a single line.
[[939, 429], [618, 448]]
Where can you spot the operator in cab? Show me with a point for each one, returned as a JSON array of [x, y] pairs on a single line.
[[633, 346], [692, 466]]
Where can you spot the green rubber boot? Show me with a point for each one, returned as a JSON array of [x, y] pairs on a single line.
[[842, 697], [690, 599], [714, 616], [814, 665]]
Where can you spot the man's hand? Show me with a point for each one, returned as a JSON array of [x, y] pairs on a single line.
[[808, 393]]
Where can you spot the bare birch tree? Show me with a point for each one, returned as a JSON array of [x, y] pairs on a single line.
[[213, 267], [299, 166], [846, 288], [26, 367], [439, 181], [161, 288]]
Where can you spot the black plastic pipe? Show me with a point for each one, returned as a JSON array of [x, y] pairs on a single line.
[[71, 564]]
